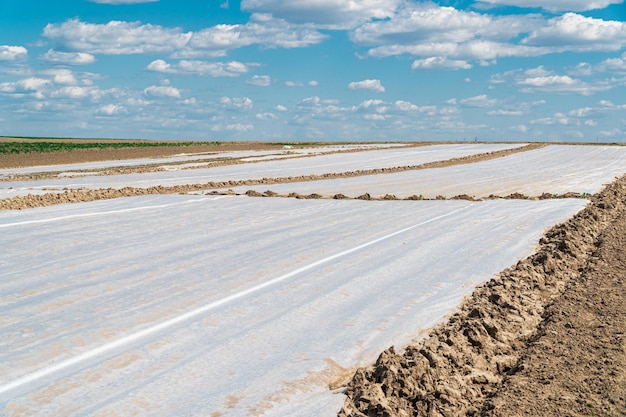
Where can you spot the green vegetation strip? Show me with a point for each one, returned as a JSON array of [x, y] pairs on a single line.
[[44, 146]]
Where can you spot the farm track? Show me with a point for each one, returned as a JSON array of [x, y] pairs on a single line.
[[74, 196], [545, 338]]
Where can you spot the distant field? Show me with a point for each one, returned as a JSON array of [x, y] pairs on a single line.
[[22, 146]]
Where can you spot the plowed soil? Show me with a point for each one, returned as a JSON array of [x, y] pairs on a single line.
[[94, 155], [546, 338]]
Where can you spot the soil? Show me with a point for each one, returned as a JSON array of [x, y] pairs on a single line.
[[95, 155], [545, 338], [77, 195]]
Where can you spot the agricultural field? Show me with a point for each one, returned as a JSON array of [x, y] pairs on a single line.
[[159, 286]]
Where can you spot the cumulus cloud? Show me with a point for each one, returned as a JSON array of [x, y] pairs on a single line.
[[121, 38], [439, 63], [239, 103], [12, 53], [266, 116], [116, 37], [446, 37], [502, 112], [519, 128], [260, 80], [478, 101], [556, 5], [579, 33], [74, 92], [62, 76], [70, 58], [262, 29], [232, 127], [407, 106], [372, 85], [550, 80], [27, 85], [212, 69], [540, 79], [332, 14], [162, 91], [111, 109]]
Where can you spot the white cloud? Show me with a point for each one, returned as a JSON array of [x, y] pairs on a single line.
[[212, 69], [519, 128], [62, 76], [478, 101], [613, 64], [260, 80], [74, 92], [233, 127], [541, 80], [239, 103], [280, 107], [111, 109], [372, 85], [439, 63], [550, 80], [31, 85], [556, 5], [313, 83], [116, 37], [407, 106], [12, 53], [557, 119], [262, 29], [121, 38], [266, 116], [335, 14], [374, 117], [70, 58], [447, 38], [162, 91], [573, 32], [502, 112]]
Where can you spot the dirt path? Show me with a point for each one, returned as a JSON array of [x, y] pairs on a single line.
[[546, 338]]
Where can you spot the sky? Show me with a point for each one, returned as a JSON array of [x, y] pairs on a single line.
[[314, 70]]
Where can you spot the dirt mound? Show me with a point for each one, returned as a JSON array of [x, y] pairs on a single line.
[[460, 368]]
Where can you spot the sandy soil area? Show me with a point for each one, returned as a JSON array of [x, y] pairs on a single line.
[[546, 338]]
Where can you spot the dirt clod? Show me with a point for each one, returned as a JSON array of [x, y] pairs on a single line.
[[545, 338]]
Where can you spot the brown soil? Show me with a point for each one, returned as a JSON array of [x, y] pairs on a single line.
[[73, 196], [545, 338], [94, 155]]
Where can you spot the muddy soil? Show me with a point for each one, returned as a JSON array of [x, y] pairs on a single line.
[[545, 338]]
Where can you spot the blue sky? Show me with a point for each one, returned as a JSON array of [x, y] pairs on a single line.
[[304, 70]]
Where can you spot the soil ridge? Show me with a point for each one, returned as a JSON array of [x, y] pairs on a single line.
[[464, 361]]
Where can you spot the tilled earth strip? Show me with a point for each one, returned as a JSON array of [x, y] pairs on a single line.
[[79, 195], [503, 352]]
